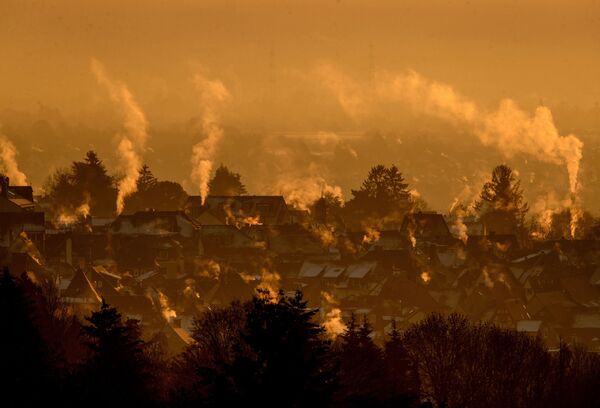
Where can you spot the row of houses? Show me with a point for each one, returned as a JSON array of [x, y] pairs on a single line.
[[164, 267]]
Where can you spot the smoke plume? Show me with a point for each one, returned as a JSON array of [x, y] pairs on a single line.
[[133, 136], [8, 162], [213, 95], [304, 191], [509, 129], [332, 322]]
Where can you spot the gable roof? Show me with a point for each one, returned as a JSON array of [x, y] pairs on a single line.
[[271, 210], [13, 201], [154, 223], [426, 225], [81, 290]]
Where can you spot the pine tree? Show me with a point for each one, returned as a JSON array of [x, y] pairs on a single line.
[[362, 371], [146, 179], [402, 375], [381, 194], [503, 194], [117, 371], [282, 358], [158, 195], [85, 182], [226, 182]]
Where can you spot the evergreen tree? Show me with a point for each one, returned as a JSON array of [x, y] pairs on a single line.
[[382, 193], [503, 196], [226, 182], [402, 376], [118, 370], [265, 352], [362, 372], [282, 358], [86, 182], [146, 179], [27, 376], [155, 194]]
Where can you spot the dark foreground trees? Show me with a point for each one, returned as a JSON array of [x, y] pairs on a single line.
[[266, 352], [270, 351], [464, 364], [118, 367], [24, 357]]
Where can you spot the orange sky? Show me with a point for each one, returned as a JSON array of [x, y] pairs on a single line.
[[266, 54], [526, 50]]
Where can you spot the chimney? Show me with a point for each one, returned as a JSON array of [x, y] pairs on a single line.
[[69, 250], [4, 183]]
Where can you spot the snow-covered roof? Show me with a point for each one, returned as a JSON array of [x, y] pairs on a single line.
[[359, 271]]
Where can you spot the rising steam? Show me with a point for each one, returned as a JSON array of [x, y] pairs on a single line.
[[8, 162], [332, 322], [213, 95], [304, 191], [509, 129], [133, 137]]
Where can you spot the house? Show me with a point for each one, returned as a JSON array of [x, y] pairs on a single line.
[[149, 240], [293, 243], [241, 210], [426, 227], [81, 294], [230, 242], [398, 262], [18, 215]]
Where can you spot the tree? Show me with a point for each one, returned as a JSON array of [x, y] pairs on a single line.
[[204, 370], [226, 182], [283, 354], [118, 368], [501, 200], [327, 209], [85, 182], [383, 184], [146, 179], [362, 372], [265, 352], [155, 194], [27, 377], [381, 194], [402, 375], [464, 364]]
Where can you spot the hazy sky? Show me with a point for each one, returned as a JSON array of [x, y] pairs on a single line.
[[488, 49], [266, 53]]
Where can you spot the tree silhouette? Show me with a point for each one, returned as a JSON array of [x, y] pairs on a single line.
[[118, 368], [502, 196], [402, 375], [381, 194], [226, 182], [362, 371], [155, 194], [265, 352], [146, 179], [327, 209], [203, 371], [86, 182], [27, 378], [283, 354]]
